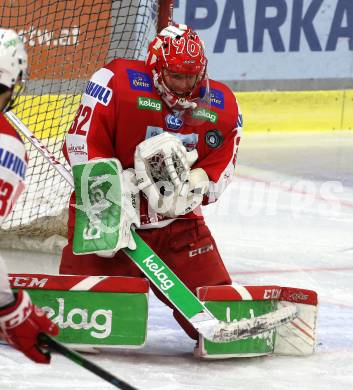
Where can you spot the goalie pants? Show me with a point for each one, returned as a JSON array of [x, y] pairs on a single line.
[[186, 246]]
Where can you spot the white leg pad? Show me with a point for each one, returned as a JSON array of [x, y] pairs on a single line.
[[298, 337]]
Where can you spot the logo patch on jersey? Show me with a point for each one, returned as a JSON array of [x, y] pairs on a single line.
[[140, 81], [102, 94], [173, 122], [206, 115], [145, 103], [214, 138], [217, 97], [189, 140], [77, 150]]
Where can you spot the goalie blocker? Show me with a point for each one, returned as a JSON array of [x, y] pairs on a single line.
[[106, 206]]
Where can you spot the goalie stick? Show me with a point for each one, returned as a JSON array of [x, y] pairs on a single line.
[[175, 290], [54, 345]]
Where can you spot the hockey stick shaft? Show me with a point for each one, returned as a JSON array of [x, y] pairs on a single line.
[[52, 160], [56, 346], [158, 273]]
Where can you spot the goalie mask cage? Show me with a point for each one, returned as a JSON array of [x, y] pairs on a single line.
[[67, 41]]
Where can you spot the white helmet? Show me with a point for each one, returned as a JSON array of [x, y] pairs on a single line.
[[13, 58]]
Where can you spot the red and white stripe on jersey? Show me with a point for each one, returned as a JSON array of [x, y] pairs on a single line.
[[217, 188], [221, 172], [13, 165], [96, 93]]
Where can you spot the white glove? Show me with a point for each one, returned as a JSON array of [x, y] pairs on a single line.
[[162, 167], [195, 189]]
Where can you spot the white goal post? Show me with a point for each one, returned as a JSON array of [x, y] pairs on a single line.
[[67, 41]]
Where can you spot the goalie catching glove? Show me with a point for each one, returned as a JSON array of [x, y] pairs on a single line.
[[162, 167], [195, 187]]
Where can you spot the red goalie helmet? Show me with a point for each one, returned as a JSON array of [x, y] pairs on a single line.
[[179, 50]]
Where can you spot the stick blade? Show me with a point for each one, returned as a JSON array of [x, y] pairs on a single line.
[[223, 332]]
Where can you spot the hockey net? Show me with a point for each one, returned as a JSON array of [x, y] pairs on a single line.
[[67, 41]]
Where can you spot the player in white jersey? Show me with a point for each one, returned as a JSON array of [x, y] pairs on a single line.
[[20, 320]]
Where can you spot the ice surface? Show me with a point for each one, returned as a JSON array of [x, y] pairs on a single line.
[[276, 224]]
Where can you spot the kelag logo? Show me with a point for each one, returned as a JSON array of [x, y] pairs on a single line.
[[79, 318], [145, 103], [173, 122], [157, 270], [207, 115], [139, 80]]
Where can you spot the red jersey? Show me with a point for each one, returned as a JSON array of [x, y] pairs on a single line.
[[13, 165], [120, 108]]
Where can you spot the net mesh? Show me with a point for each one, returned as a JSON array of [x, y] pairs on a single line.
[[67, 41]]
